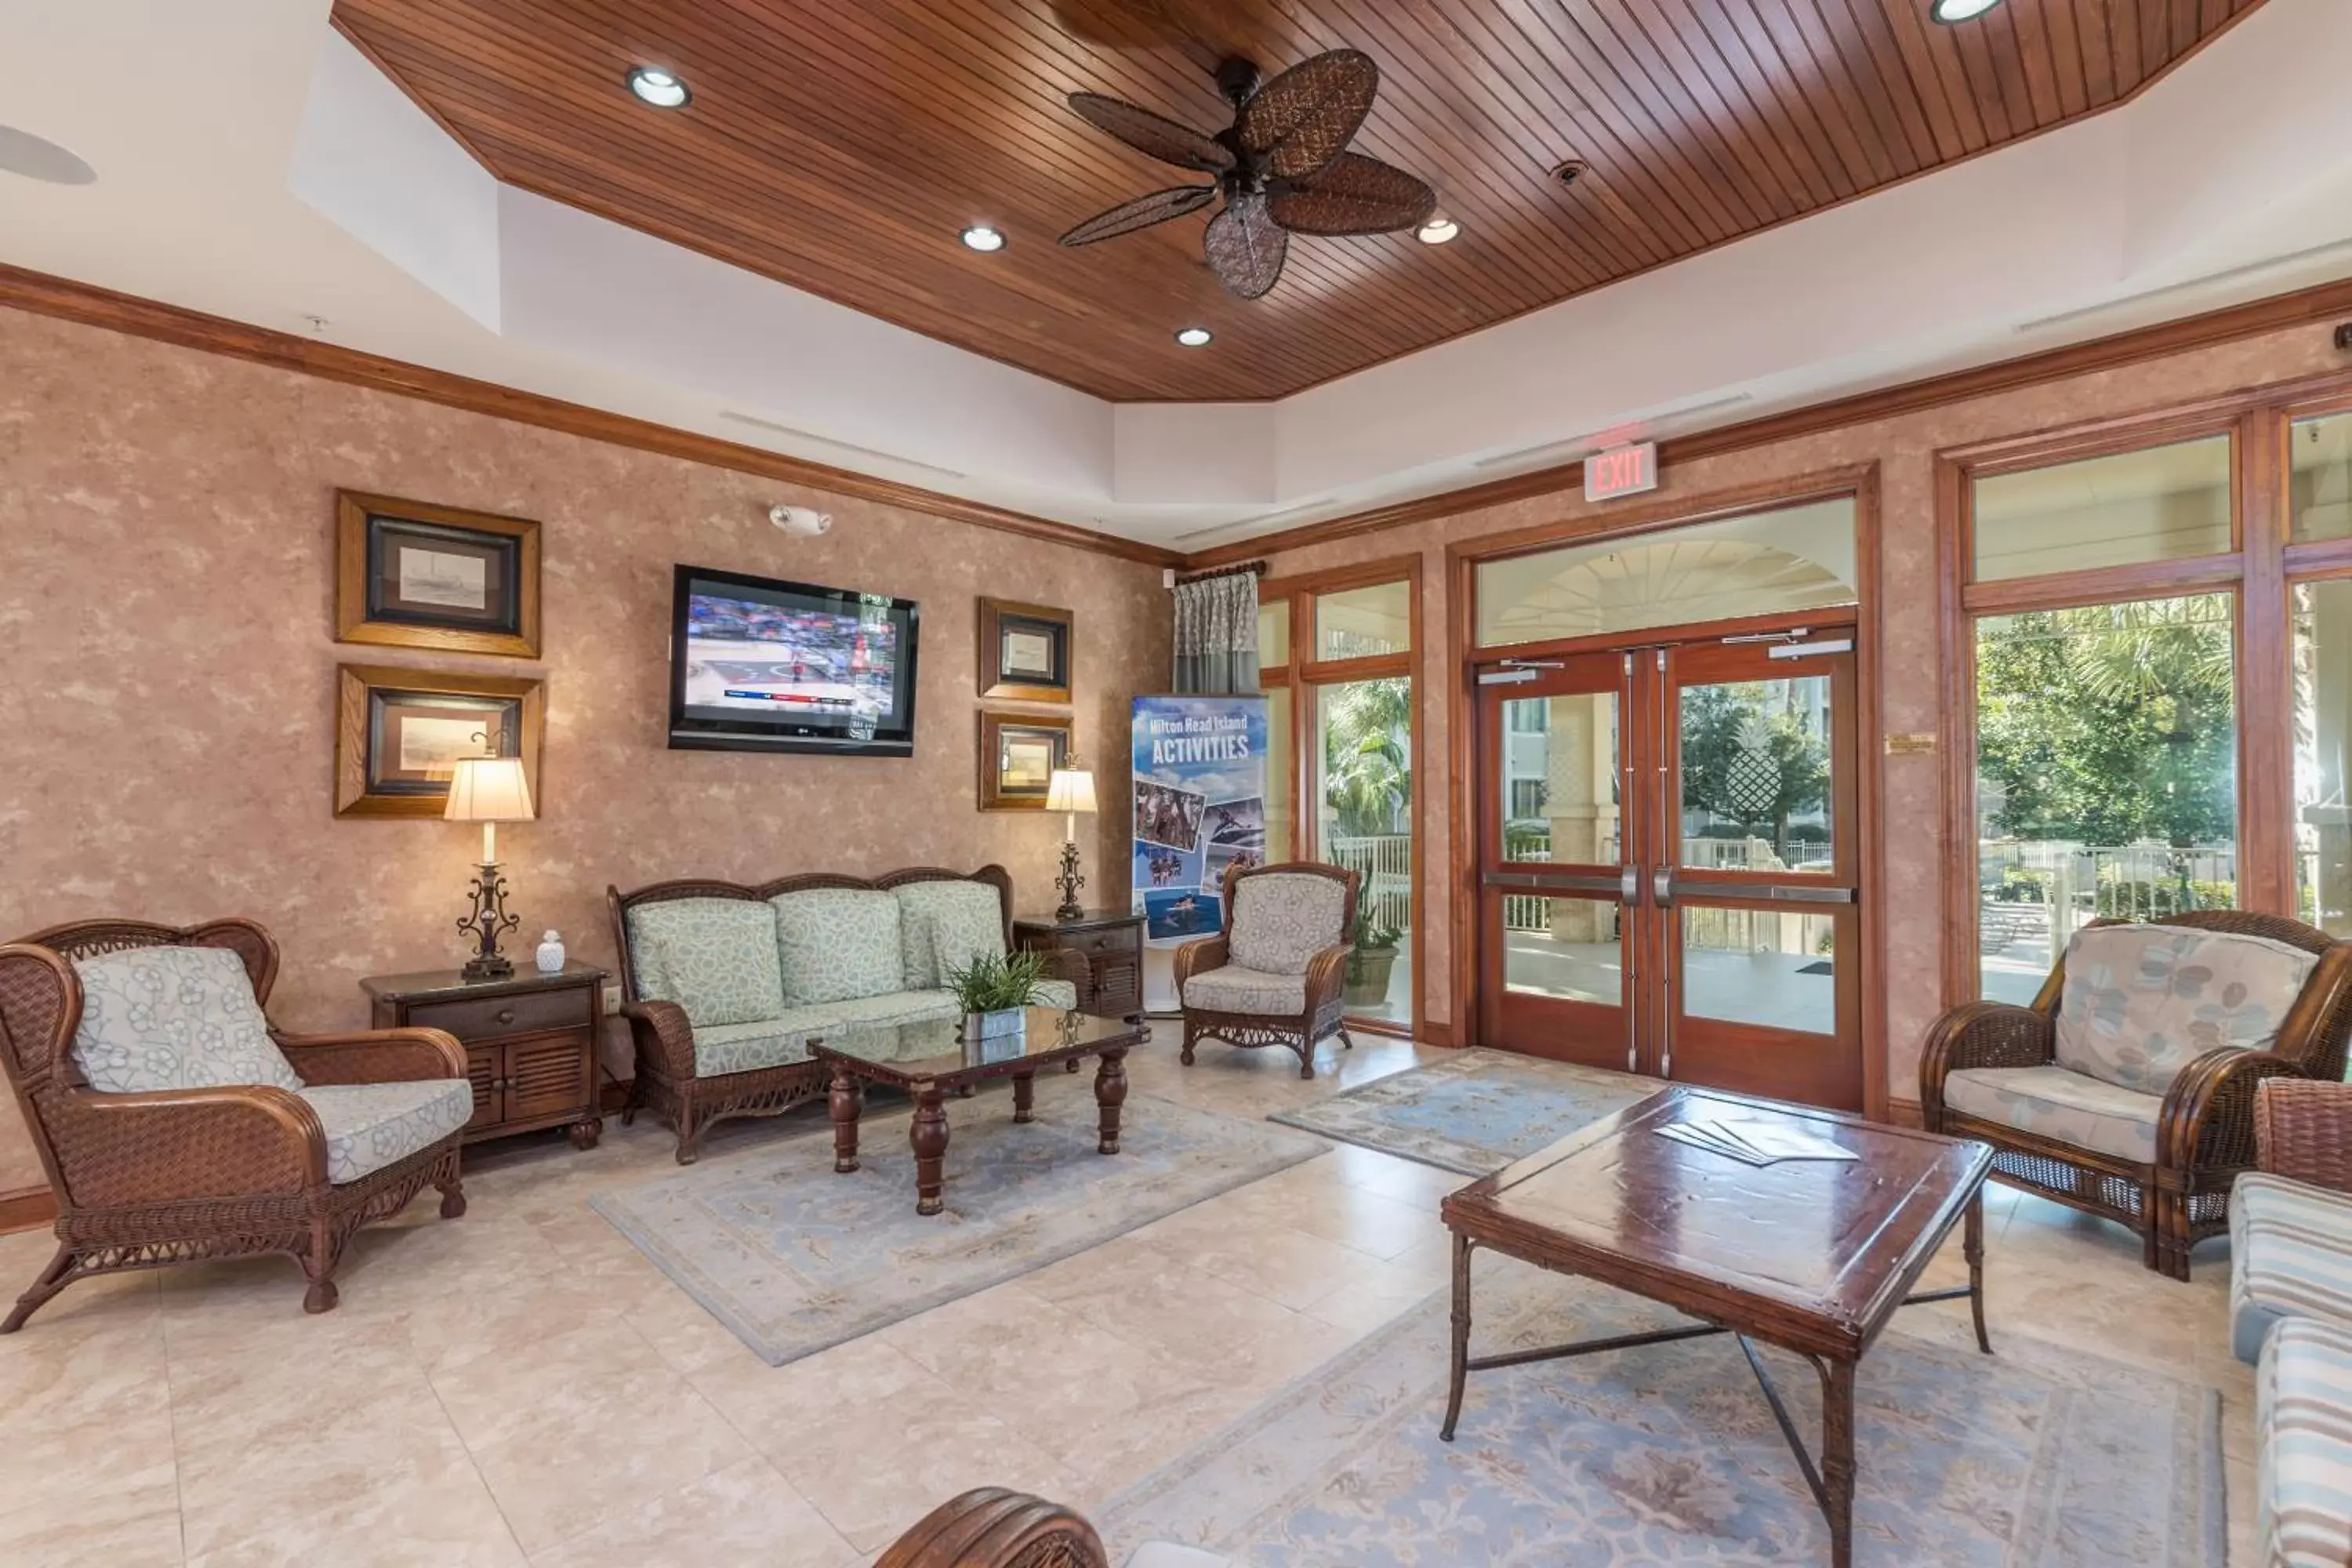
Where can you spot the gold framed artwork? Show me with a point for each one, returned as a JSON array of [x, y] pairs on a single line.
[[1024, 652], [1018, 754], [399, 733], [412, 575]]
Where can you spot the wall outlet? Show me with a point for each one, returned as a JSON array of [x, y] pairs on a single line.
[[612, 998]]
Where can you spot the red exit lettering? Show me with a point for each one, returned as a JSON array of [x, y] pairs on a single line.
[[1621, 471]]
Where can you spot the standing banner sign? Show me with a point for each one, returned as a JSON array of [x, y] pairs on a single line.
[[1199, 807]]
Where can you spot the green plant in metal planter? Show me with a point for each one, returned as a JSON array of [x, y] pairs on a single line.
[[1371, 953], [994, 989]]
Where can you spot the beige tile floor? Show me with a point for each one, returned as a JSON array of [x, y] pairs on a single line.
[[520, 1386]]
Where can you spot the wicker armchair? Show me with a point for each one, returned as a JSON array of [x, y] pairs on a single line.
[[989, 1527], [2205, 1131], [147, 1179], [1291, 994], [2303, 1131]]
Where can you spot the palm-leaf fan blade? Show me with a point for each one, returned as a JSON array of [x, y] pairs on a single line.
[[1151, 134], [1244, 246], [1302, 119], [1141, 213], [1352, 194]]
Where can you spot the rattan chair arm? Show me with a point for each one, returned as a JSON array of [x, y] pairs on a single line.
[[1069, 964], [2303, 1131], [664, 1039], [2208, 1120], [989, 1527], [244, 1141], [1327, 975], [1198, 958], [1980, 1035], [375, 1056]]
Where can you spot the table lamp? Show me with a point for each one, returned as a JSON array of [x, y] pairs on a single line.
[[488, 790], [1070, 790]]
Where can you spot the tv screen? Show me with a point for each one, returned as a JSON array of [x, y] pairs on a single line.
[[757, 664]]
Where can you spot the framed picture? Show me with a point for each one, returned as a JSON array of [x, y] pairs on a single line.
[[1018, 754], [413, 576], [399, 733], [1024, 652]]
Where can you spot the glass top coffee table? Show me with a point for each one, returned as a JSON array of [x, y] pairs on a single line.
[[931, 1061]]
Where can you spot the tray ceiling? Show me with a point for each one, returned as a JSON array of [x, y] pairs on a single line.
[[841, 147]]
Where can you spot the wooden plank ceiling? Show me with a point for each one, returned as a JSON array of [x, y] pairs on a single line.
[[841, 145]]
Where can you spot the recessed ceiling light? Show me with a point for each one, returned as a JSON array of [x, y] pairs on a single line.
[[980, 237], [659, 88], [1194, 337], [37, 158], [1949, 11], [1437, 230], [1569, 171]]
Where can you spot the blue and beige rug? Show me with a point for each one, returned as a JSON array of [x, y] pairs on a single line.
[[2032, 1458], [1473, 1112], [793, 1257]]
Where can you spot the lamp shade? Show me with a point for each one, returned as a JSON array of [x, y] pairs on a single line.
[[1070, 789], [489, 789]]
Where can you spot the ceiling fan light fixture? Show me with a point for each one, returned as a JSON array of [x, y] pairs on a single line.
[[1437, 230], [1952, 11], [982, 238], [659, 88], [1194, 337]]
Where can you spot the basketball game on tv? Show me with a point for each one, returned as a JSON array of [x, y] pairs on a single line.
[[769, 665]]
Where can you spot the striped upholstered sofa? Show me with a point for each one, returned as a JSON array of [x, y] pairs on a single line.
[[2291, 1315]]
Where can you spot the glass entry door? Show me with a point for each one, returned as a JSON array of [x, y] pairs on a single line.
[[1669, 868]]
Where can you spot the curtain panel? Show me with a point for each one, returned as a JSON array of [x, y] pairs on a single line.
[[1216, 634]]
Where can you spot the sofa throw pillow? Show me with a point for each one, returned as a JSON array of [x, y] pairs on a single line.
[[2141, 1002], [836, 943], [1282, 919], [716, 958], [174, 1017], [970, 915]]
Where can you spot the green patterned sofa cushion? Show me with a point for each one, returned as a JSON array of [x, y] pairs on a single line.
[[714, 957], [762, 1043], [174, 1017], [2141, 1002], [838, 943], [970, 915]]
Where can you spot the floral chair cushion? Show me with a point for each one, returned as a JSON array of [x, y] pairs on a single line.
[[174, 1017], [2141, 1002], [370, 1125], [716, 958], [966, 918], [836, 943], [1282, 919], [1233, 989], [2053, 1102]]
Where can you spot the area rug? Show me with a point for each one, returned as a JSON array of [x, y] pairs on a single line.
[[793, 1257], [1473, 1112], [2032, 1458]]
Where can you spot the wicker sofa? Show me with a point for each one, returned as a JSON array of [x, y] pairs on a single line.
[[724, 983]]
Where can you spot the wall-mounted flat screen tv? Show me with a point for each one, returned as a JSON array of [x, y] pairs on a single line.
[[760, 665]]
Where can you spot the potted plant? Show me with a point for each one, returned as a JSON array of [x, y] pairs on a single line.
[[995, 990], [1372, 955]]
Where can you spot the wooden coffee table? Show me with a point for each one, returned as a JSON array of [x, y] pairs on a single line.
[[929, 1060], [1811, 1256]]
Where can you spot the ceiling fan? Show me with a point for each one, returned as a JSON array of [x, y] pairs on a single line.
[[1282, 167]]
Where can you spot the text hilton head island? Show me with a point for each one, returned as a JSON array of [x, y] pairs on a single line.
[[1198, 738]]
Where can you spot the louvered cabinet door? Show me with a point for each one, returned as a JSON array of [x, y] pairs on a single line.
[[483, 1072], [529, 1041], [547, 1075]]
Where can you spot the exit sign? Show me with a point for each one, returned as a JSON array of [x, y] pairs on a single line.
[[1621, 471]]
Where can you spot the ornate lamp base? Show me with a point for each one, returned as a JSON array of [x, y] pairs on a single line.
[[489, 922], [1070, 882]]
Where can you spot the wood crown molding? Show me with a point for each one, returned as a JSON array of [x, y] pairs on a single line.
[[43, 294], [2301, 308], [29, 1208]]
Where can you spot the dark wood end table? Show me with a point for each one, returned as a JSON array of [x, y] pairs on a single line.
[[931, 1061], [1812, 1256], [1110, 941], [530, 1039]]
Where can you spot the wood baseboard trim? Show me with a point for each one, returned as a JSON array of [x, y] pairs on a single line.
[[29, 1208], [1905, 1113], [43, 294]]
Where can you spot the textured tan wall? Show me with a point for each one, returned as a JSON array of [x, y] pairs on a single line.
[[167, 670], [1911, 651]]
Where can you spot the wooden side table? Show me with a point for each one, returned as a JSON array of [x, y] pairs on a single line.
[[1112, 942], [530, 1039]]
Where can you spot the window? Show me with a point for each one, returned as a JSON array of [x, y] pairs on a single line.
[[1363, 757], [1363, 623], [2105, 774], [2320, 463], [2162, 503], [2322, 728], [1796, 558], [1527, 798]]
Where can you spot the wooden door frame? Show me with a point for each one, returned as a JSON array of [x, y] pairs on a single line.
[[1305, 676], [1859, 482]]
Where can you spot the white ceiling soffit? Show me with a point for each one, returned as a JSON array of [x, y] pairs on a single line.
[[252, 165]]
